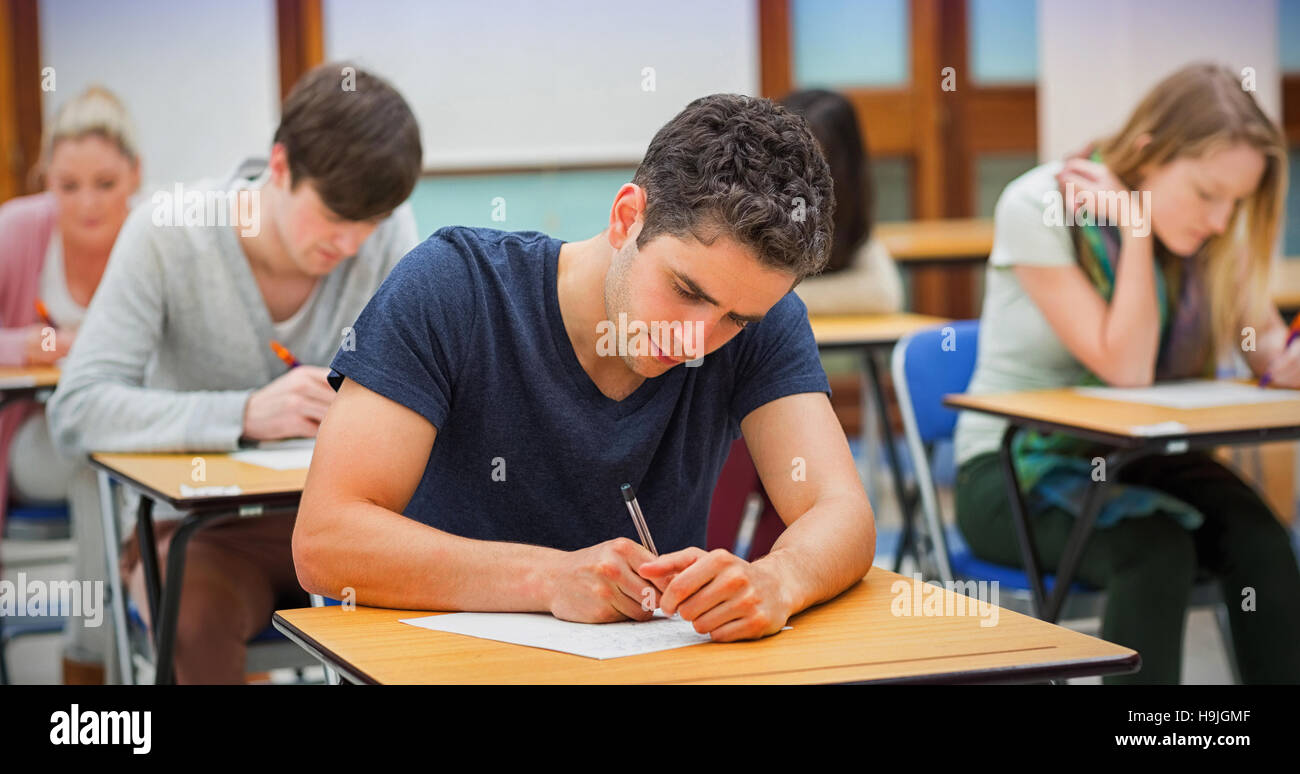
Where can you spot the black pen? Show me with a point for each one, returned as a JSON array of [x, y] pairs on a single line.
[[638, 519]]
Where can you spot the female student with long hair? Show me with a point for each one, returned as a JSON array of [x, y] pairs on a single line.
[[55, 249], [1164, 291], [860, 276]]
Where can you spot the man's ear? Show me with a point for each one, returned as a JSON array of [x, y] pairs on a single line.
[[279, 166], [627, 215]]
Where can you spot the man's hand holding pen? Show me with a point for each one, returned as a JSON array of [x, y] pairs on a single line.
[[725, 596]]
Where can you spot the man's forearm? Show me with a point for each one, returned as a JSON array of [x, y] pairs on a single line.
[[824, 551], [388, 560]]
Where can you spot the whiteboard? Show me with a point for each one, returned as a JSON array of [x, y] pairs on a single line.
[[200, 80], [499, 83]]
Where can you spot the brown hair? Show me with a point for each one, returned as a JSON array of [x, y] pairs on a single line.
[[835, 125], [745, 168], [1199, 109], [353, 136]]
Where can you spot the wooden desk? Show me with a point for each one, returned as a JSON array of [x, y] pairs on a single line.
[[868, 330], [1117, 424], [945, 241], [25, 382], [870, 334], [160, 477], [1285, 285], [853, 638]]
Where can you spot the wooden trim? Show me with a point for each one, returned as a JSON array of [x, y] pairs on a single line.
[[1291, 107], [20, 95], [523, 169], [888, 117], [300, 33], [776, 76], [1001, 119]]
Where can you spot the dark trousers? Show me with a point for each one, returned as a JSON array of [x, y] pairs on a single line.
[[1147, 565]]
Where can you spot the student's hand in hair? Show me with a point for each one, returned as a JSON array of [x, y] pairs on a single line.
[[600, 585], [47, 345], [1083, 177], [725, 596], [292, 406]]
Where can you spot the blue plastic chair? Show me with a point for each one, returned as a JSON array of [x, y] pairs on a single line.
[[32, 522], [926, 366]]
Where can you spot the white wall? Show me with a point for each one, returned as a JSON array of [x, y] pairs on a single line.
[[502, 82], [1097, 60], [200, 79]]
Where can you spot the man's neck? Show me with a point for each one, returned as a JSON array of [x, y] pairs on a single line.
[[264, 250], [580, 285]]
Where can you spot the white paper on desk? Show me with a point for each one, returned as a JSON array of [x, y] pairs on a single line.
[[292, 454], [1192, 394], [538, 630]]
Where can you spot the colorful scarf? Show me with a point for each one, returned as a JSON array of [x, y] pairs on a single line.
[[1055, 469]]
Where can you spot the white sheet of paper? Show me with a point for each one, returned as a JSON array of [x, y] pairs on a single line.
[[1192, 394], [292, 454], [538, 630]]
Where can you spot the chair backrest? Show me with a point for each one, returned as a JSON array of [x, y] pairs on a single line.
[[933, 363], [926, 366]]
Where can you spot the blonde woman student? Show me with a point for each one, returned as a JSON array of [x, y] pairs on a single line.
[[1160, 292], [54, 247]]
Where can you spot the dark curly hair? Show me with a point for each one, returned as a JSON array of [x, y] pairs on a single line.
[[745, 168]]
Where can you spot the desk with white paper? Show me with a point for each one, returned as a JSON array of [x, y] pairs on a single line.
[[600, 641]]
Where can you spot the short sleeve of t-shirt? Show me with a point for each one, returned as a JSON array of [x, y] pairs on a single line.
[[780, 358], [1028, 222], [407, 343]]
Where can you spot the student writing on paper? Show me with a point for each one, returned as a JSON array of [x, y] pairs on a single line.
[[54, 247], [504, 386], [175, 354], [1189, 194]]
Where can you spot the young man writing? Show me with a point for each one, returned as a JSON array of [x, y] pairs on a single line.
[[474, 456], [175, 353]]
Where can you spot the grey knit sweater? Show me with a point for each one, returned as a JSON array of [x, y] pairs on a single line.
[[177, 336]]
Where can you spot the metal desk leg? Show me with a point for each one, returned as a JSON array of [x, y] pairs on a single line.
[[1082, 530], [148, 545], [170, 604], [1019, 516], [887, 435], [112, 541]]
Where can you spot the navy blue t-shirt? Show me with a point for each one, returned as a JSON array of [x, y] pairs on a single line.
[[466, 331]]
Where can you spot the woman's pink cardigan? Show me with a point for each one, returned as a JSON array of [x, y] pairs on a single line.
[[26, 225]]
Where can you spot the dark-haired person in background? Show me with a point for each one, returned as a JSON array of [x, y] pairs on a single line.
[[483, 426], [175, 355], [860, 276]]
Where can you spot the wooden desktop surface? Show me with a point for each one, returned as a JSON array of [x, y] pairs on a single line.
[[1066, 407], [164, 474], [854, 637], [22, 377], [861, 329], [968, 239]]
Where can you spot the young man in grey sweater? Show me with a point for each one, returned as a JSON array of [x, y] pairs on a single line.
[[175, 351]]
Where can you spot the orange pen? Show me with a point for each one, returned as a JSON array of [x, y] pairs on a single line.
[[44, 313], [284, 354]]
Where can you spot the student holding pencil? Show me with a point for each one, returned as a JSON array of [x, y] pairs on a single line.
[[505, 386], [54, 247], [1166, 288], [176, 351]]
